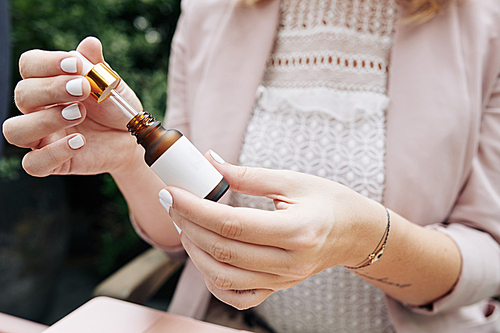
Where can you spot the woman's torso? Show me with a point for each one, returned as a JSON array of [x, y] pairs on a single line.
[[321, 110]]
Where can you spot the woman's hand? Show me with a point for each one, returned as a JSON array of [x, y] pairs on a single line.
[[68, 132], [247, 254]]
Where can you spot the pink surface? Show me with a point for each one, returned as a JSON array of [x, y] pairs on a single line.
[[107, 315], [10, 324]]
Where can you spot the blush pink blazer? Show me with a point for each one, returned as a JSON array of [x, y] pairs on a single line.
[[443, 134]]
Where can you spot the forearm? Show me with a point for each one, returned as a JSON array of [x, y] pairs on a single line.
[[418, 265], [140, 186]]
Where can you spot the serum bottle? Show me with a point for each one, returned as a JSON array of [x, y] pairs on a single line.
[[169, 153]]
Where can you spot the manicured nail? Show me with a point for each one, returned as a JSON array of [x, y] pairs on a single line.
[[216, 157], [76, 142], [71, 112], [177, 227], [69, 65], [165, 205], [74, 87], [165, 199]]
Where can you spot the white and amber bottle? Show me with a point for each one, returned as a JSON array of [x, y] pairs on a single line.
[[175, 159], [169, 153]]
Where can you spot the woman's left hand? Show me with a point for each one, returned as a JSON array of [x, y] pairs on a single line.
[[246, 254]]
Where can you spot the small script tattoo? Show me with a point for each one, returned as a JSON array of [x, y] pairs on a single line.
[[245, 291], [384, 280]]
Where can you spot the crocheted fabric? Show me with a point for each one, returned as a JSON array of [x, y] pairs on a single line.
[[321, 110]]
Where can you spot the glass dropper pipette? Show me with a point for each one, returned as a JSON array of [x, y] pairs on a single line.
[[103, 81], [169, 154]]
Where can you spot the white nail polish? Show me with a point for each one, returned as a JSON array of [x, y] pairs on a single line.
[[165, 205], [216, 157], [166, 196], [74, 87], [76, 142], [179, 230], [68, 65], [71, 112]]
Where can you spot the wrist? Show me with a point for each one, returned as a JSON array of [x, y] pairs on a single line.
[[133, 162], [378, 251], [367, 234]]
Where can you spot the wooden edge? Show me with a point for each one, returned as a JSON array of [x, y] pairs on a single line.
[[140, 279]]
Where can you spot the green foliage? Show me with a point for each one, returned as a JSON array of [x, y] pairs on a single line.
[[136, 37], [117, 236], [10, 168]]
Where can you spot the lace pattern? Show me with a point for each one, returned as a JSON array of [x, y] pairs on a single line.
[[321, 110], [338, 44], [349, 153]]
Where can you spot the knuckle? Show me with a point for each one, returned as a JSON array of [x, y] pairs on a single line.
[[230, 228], [51, 155], [306, 241], [222, 252], [243, 174], [222, 281], [52, 90]]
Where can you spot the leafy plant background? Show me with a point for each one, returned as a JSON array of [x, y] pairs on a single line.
[[136, 36]]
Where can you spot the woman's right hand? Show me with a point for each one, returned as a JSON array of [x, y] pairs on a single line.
[[68, 132]]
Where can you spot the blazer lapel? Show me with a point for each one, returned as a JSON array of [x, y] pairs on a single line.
[[234, 69], [429, 120]]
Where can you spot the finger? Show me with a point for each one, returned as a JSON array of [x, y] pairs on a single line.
[[240, 299], [275, 184], [91, 48], [244, 224], [258, 258], [33, 94], [227, 277], [53, 158], [38, 64], [28, 130]]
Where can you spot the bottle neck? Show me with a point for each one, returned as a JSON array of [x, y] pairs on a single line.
[[152, 135], [142, 125]]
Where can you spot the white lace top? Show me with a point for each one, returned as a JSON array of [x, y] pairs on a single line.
[[321, 109]]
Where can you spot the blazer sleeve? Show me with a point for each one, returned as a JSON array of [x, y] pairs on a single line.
[[177, 113], [474, 223]]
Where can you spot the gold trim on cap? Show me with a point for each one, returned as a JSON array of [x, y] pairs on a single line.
[[102, 79]]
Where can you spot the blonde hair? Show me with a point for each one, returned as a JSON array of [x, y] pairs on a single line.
[[415, 11]]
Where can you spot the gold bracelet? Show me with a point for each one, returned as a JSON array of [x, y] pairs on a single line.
[[377, 253]]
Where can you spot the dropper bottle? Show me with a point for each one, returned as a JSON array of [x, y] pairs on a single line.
[[169, 153]]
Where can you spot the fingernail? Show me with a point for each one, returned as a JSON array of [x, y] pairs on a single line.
[[177, 227], [71, 112], [74, 87], [165, 205], [68, 65], [165, 199], [216, 157], [76, 142]]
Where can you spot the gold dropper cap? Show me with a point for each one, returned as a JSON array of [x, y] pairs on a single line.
[[102, 79]]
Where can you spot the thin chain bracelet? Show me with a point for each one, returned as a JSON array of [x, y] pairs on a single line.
[[377, 253]]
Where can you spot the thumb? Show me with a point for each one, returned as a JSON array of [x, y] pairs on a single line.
[[91, 48], [262, 182]]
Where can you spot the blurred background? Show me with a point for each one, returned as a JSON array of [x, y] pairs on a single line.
[[61, 236]]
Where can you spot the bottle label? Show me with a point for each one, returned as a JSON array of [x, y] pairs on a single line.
[[182, 165]]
